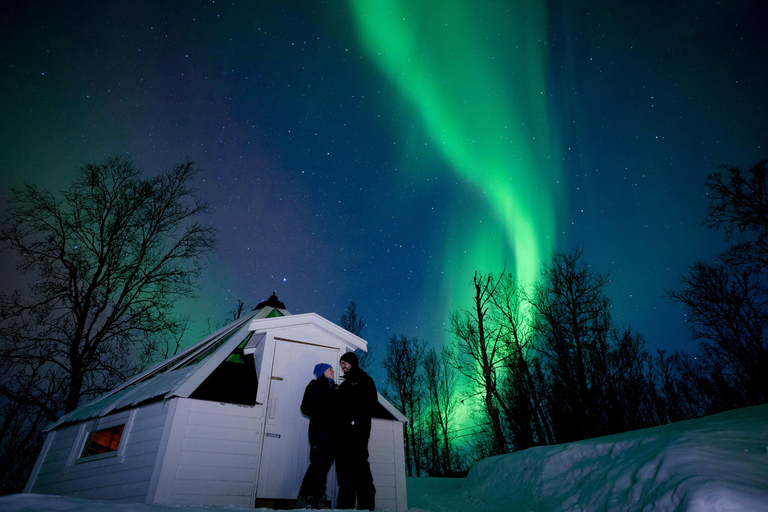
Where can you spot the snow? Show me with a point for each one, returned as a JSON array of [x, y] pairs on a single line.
[[159, 386], [718, 463]]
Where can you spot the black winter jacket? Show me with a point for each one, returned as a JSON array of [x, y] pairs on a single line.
[[320, 403], [357, 402]]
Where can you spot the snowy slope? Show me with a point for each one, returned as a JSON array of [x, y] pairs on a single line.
[[719, 463]]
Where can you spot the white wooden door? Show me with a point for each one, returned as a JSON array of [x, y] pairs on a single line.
[[285, 448]]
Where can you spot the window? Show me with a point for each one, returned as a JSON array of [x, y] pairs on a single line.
[[103, 441]]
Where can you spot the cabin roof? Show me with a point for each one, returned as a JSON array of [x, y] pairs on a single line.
[[181, 374]]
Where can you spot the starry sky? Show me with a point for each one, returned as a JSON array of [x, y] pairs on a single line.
[[381, 152]]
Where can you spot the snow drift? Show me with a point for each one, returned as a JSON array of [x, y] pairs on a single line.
[[714, 463]]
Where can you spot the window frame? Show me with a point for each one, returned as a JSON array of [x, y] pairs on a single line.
[[89, 427]]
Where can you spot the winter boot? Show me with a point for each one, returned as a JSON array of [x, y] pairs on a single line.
[[305, 502], [321, 503]]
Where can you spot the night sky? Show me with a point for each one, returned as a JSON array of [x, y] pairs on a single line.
[[381, 152]]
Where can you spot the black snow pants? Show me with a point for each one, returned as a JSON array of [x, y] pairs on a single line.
[[354, 474], [322, 450]]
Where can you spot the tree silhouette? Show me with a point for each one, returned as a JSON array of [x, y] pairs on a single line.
[[725, 301], [572, 322], [478, 353], [108, 257], [404, 387], [739, 206], [440, 406], [354, 323], [519, 393]]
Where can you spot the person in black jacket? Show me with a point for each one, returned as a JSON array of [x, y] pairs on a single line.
[[320, 404], [357, 401]]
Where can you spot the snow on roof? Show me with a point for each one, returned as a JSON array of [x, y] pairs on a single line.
[[154, 388], [177, 377], [154, 383]]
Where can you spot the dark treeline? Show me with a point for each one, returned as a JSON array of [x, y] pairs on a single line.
[[544, 363]]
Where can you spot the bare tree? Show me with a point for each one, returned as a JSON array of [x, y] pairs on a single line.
[[404, 388], [739, 205], [108, 258], [440, 405], [680, 399], [726, 301], [630, 392], [478, 353], [21, 437], [572, 323], [351, 321], [238, 310], [726, 312], [519, 394], [354, 323]]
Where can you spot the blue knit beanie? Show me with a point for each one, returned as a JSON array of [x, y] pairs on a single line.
[[320, 369]]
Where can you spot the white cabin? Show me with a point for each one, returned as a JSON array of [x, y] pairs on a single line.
[[218, 424]]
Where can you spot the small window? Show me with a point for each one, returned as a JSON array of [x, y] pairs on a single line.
[[103, 441]]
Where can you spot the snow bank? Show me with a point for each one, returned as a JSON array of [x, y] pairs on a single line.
[[715, 463]]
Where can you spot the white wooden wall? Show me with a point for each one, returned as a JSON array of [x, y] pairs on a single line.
[[124, 477], [211, 455], [387, 459]]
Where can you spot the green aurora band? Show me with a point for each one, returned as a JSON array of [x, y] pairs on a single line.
[[474, 73]]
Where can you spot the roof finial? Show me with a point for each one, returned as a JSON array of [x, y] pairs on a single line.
[[272, 301]]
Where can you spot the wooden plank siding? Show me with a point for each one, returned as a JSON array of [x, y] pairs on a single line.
[[399, 450], [123, 478], [210, 458], [382, 456], [218, 455]]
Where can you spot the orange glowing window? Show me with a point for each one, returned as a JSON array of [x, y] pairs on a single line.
[[103, 441]]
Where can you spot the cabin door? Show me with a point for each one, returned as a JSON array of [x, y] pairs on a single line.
[[285, 448]]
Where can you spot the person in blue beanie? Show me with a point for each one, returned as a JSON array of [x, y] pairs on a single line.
[[320, 404]]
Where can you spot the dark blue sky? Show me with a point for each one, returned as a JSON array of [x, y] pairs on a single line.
[[318, 161]]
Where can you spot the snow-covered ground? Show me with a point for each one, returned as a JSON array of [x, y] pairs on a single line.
[[719, 463]]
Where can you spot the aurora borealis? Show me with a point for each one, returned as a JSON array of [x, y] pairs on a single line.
[[382, 152], [491, 129]]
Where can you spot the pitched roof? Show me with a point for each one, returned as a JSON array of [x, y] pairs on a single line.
[[183, 373], [161, 380]]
